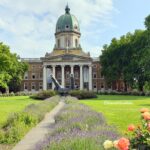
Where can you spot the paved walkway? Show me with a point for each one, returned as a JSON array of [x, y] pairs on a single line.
[[38, 133]]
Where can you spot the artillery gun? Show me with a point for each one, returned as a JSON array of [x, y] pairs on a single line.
[[60, 89]]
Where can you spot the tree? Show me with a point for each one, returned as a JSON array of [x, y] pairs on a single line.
[[128, 58], [147, 22], [11, 69]]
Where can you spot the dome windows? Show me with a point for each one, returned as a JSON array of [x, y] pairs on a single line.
[[67, 27]]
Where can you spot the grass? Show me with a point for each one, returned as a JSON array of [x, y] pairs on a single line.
[[119, 110], [13, 104], [18, 124]]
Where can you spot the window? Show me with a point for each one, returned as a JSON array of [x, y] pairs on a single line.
[[67, 26], [25, 86], [40, 66], [67, 75], [67, 42], [58, 75], [41, 75], [76, 42], [76, 74], [58, 43], [94, 75], [94, 66], [94, 86], [26, 76], [33, 75], [33, 66], [33, 86], [102, 85], [40, 86]]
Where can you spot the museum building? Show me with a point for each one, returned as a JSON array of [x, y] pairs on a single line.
[[66, 58]]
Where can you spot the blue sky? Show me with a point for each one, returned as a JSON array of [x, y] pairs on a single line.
[[28, 26]]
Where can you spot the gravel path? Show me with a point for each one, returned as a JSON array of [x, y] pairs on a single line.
[[38, 133]]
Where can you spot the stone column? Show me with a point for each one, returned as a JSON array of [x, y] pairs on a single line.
[[44, 78], [63, 75], [81, 77], [90, 77], [53, 70], [72, 69]]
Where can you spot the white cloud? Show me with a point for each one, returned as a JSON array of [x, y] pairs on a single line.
[[30, 24]]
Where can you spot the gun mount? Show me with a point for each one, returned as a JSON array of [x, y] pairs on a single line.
[[60, 89]]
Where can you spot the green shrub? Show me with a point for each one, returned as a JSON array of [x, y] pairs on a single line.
[[147, 94], [12, 94], [43, 95], [82, 94], [18, 124], [15, 94], [147, 87]]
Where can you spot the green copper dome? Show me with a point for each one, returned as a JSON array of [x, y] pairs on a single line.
[[67, 22]]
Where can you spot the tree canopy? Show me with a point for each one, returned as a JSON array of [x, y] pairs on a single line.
[[11, 69], [128, 58]]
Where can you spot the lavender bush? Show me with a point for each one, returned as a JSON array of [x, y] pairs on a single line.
[[78, 127]]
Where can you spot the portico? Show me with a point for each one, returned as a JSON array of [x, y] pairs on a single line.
[[82, 73]]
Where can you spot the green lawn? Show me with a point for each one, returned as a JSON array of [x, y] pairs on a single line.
[[13, 104], [119, 110]]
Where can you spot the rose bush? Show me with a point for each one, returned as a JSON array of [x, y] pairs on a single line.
[[139, 136]]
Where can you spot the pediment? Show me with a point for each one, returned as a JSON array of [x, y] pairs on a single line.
[[67, 57]]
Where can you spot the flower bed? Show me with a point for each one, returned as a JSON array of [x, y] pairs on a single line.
[[78, 127]]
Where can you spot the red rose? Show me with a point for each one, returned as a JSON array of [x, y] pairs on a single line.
[[131, 127], [123, 144]]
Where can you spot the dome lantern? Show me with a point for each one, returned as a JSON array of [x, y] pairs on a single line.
[[67, 9]]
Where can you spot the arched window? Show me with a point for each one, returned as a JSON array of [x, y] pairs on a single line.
[[67, 42], [76, 42]]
